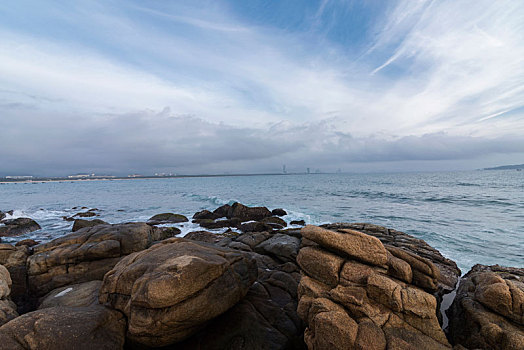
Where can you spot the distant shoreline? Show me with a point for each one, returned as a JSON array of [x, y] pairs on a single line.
[[65, 179]]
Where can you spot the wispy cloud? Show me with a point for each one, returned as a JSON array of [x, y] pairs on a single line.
[[431, 73]]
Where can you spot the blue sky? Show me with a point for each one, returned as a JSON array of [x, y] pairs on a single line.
[[246, 86]]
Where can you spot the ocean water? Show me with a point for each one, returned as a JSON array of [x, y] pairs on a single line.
[[471, 217]]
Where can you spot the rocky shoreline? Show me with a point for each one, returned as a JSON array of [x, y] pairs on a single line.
[[256, 285]]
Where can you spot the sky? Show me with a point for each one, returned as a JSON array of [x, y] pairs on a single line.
[[223, 86]]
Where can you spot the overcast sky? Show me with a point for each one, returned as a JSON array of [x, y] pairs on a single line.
[[247, 86]]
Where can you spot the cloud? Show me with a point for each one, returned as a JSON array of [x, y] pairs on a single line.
[[435, 81]]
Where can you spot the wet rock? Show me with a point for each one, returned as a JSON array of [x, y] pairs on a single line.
[[27, 242], [68, 218], [2, 215], [160, 233], [87, 214], [280, 246], [7, 307], [298, 222], [171, 290], [19, 226], [488, 310], [245, 213], [276, 223], [350, 297], [255, 226], [167, 218], [278, 212], [81, 223], [74, 295], [204, 236], [63, 328], [213, 225], [86, 255], [205, 215], [222, 211]]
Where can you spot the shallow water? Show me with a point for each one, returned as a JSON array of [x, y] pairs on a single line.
[[471, 217]]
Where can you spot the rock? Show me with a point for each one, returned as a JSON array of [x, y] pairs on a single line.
[[352, 295], [19, 226], [255, 226], [167, 218], [2, 215], [74, 295], [276, 223], [169, 291], [298, 222], [203, 236], [80, 223], [86, 214], [62, 328], [160, 233], [205, 215], [244, 213], [222, 211], [488, 310], [26, 242], [7, 307], [213, 225], [448, 270], [86, 254], [282, 247], [15, 260], [68, 218], [321, 265], [265, 318], [278, 212], [353, 244]]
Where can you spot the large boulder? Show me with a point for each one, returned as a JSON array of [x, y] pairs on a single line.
[[75, 295], [17, 227], [7, 307], [81, 223], [171, 290], [245, 213], [166, 218], [86, 255], [488, 310], [266, 318], [63, 328], [278, 212], [356, 294], [449, 273], [205, 215], [15, 260], [282, 247]]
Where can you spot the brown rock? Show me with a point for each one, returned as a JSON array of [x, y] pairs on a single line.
[[449, 272], [320, 265], [61, 328], [87, 214], [488, 310], [7, 307], [203, 236], [26, 242], [85, 255], [244, 213], [15, 259], [17, 227], [81, 223], [351, 243], [167, 218], [370, 337], [169, 291], [278, 212], [281, 246], [275, 222], [205, 214], [75, 295]]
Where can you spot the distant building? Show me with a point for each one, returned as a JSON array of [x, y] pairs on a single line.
[[308, 171], [80, 176], [19, 177], [134, 175]]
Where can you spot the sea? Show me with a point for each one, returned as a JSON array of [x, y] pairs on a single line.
[[470, 217]]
